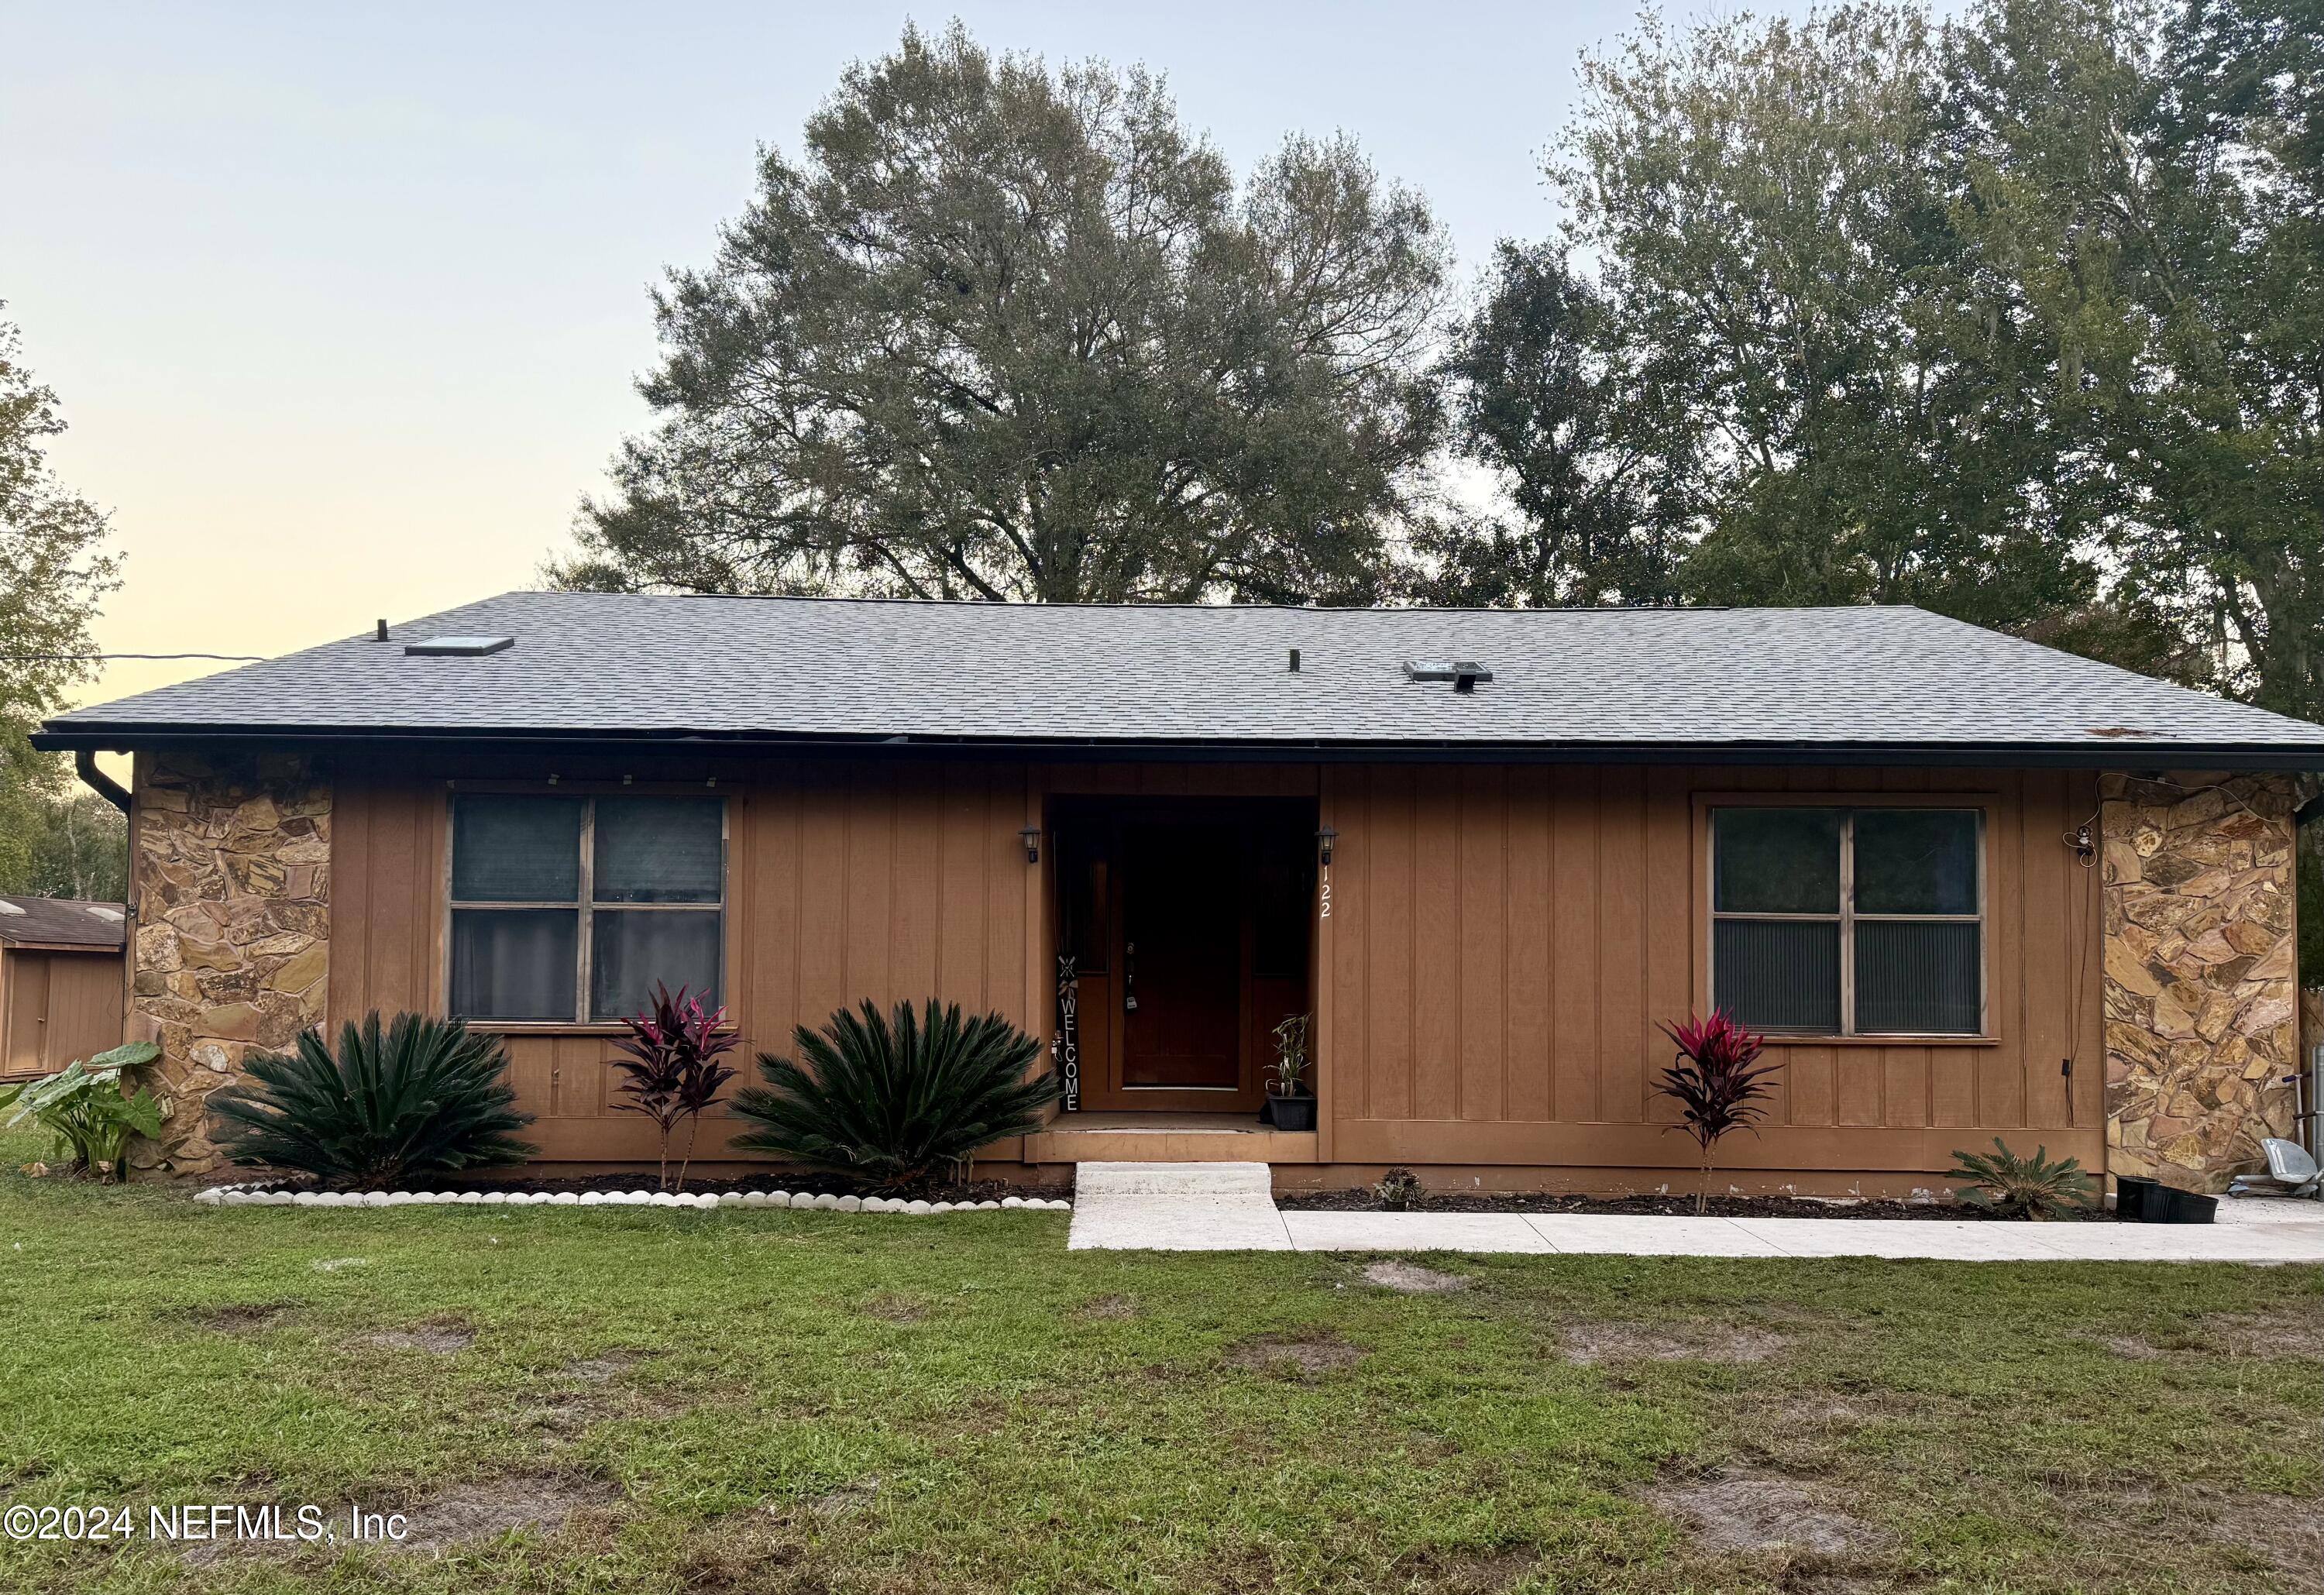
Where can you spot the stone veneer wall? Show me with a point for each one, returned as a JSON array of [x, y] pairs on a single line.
[[231, 887], [2200, 982]]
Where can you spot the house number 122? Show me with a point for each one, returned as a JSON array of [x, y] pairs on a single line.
[[1324, 895]]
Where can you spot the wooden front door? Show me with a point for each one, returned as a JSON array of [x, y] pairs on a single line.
[[1181, 959], [1185, 922]]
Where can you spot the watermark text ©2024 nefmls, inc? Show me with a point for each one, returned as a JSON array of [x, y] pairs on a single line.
[[190, 1524]]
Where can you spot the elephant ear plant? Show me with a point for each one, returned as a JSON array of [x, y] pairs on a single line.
[[84, 1108], [416, 1095], [1720, 1083], [895, 1100], [671, 1068]]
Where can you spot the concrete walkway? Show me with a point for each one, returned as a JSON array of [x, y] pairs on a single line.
[[1227, 1207]]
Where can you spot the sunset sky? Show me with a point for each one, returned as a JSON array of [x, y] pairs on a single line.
[[344, 310]]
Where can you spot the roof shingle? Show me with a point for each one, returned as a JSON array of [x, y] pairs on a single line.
[[61, 922], [629, 665]]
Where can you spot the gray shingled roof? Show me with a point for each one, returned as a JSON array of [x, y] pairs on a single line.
[[61, 922], [619, 665]]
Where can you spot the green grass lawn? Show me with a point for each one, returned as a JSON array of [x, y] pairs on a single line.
[[822, 1402]]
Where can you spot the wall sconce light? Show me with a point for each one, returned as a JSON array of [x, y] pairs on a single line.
[[1032, 835], [1323, 839]]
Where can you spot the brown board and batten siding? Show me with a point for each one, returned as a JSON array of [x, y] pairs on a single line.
[[844, 880], [1505, 940]]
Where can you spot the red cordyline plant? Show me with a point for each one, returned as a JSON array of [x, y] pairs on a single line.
[[672, 1067], [1718, 1081]]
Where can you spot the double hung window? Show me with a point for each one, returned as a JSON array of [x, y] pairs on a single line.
[[1848, 921], [572, 908]]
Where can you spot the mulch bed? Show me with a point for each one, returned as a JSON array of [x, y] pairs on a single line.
[[1361, 1200], [811, 1184]]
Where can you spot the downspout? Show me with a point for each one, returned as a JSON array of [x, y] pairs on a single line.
[[102, 784], [134, 1025]]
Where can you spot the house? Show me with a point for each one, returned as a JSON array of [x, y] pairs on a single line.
[[1970, 886], [61, 983]]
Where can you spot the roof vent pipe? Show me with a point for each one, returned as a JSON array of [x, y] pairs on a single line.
[[381, 634], [1294, 661]]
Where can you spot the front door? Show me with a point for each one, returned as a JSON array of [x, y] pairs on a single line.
[[1185, 924], [1182, 958]]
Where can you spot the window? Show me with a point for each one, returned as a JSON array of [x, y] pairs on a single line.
[[572, 908], [1848, 921]]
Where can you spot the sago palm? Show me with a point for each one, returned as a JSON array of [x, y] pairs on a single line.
[[892, 1101], [2015, 1187], [421, 1093]]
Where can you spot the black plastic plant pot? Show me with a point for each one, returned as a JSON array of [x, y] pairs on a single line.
[[2135, 1199], [1296, 1114], [2184, 1207]]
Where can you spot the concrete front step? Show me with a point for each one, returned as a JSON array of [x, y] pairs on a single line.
[[1172, 1179], [1176, 1207], [1169, 1145]]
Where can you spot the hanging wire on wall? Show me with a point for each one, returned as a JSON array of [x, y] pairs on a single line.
[[2084, 840]]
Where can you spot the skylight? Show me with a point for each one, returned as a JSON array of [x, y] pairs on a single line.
[[1463, 673], [459, 646]]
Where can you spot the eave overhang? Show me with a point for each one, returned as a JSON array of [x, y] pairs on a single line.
[[84, 736]]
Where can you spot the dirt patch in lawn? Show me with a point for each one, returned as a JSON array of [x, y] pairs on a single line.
[[604, 1366], [2287, 1532], [239, 1317], [1594, 1342], [569, 1414], [1304, 1356], [746, 1554], [445, 1519], [1831, 1412], [2290, 1332], [1750, 1513], [1463, 1572], [1109, 1306], [2154, 1526], [597, 1392], [1396, 1273], [845, 1501], [487, 1509], [440, 1337], [895, 1307]]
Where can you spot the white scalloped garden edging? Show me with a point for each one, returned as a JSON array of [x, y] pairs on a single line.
[[235, 1196]]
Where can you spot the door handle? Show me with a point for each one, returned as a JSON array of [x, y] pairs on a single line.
[[1130, 977]]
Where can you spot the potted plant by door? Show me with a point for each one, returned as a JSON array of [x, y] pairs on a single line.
[[1290, 1105]]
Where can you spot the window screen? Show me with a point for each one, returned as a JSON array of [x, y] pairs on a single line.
[[572, 908], [1838, 921]]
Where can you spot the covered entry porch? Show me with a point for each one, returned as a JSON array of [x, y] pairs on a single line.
[[1183, 936]]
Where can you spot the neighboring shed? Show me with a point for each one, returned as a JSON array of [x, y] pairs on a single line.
[[61, 983]]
